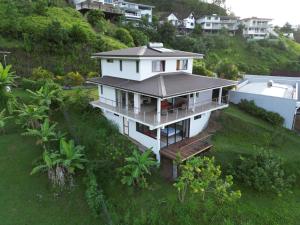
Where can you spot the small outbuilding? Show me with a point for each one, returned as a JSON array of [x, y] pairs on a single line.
[[277, 94]]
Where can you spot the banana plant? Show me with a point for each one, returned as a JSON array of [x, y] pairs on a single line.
[[3, 120], [7, 100], [31, 116], [45, 134]]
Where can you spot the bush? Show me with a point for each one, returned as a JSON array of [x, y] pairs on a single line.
[[41, 74], [71, 79], [124, 36], [139, 37], [77, 34], [271, 117], [94, 16], [199, 67], [264, 172], [228, 71], [31, 84]]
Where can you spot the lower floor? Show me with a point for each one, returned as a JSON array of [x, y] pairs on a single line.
[[161, 137]]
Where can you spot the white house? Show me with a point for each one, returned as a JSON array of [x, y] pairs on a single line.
[[135, 11], [214, 23], [276, 94], [151, 94], [256, 28], [183, 22]]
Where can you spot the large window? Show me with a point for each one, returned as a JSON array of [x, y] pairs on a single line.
[[146, 130], [158, 66], [182, 64]]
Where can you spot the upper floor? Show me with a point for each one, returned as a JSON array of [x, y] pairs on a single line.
[[144, 62], [255, 22], [215, 22]]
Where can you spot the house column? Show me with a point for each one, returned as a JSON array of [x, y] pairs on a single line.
[[158, 110], [220, 96], [126, 100], [137, 103], [158, 144], [194, 101]]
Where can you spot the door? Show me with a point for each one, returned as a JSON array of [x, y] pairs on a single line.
[[125, 126]]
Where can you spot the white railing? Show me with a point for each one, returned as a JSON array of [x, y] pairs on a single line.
[[166, 116]]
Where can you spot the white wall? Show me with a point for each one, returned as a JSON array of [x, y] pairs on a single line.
[[145, 68], [197, 126], [285, 107], [117, 120], [143, 139], [108, 93]]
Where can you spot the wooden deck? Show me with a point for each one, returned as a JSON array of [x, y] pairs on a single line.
[[188, 148]]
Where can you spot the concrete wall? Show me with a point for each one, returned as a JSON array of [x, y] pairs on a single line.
[[197, 126], [117, 120], [145, 68], [285, 107]]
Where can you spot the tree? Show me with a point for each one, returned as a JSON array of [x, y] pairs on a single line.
[[139, 37], [201, 176], [31, 116], [3, 119], [124, 36], [94, 16], [287, 28], [7, 100], [166, 32], [77, 34], [137, 167], [61, 165], [45, 134], [228, 71]]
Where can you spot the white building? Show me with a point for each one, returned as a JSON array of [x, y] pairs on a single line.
[[185, 22], [134, 11], [276, 94], [215, 23], [256, 28], [151, 94]]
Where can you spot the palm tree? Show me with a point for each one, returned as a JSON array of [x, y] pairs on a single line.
[[6, 81], [138, 165], [3, 120], [30, 116], [45, 133]]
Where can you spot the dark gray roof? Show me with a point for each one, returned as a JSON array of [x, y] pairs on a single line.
[[166, 84], [145, 51]]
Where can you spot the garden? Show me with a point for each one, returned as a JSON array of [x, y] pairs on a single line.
[[62, 162]]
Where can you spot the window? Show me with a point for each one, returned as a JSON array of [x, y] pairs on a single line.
[[110, 60], [137, 66], [197, 117], [121, 65], [182, 64], [146, 130], [197, 95], [101, 89], [158, 66]]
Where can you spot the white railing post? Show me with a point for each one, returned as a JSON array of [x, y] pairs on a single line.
[[220, 96], [194, 101], [158, 109]]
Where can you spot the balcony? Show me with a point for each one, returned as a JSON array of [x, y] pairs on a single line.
[[151, 118], [108, 8]]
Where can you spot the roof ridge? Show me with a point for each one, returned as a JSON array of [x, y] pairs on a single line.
[[142, 50]]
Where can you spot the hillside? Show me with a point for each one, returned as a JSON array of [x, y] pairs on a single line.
[[60, 39]]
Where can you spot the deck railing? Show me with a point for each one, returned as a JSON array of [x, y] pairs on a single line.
[[166, 116]]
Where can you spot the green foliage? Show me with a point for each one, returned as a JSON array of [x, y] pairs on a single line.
[[77, 34], [199, 68], [41, 74], [7, 100], [3, 119], [228, 71], [124, 36], [139, 38], [201, 176], [264, 172], [166, 32], [137, 167], [271, 117], [72, 79], [94, 16]]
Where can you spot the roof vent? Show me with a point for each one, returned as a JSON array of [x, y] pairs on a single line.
[[155, 45], [270, 83]]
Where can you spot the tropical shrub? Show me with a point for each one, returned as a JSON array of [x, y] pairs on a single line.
[[124, 36], [3, 120], [139, 38], [31, 116], [94, 16], [271, 117], [72, 79], [137, 167], [92, 74], [7, 100], [199, 67], [264, 172], [201, 176], [228, 71], [41, 74]]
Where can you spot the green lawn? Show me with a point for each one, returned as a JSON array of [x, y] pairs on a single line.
[[26, 199]]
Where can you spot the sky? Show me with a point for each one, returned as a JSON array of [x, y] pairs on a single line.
[[279, 10]]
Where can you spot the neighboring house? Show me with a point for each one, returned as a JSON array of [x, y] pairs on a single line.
[[215, 23], [276, 94], [184, 22], [256, 28], [289, 36], [131, 11], [150, 93], [134, 11]]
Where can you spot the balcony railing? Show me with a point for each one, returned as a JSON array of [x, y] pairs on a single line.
[[99, 5], [166, 116]]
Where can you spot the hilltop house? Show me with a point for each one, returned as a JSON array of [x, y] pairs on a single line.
[[151, 94], [214, 23], [256, 28], [115, 8], [184, 22]]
